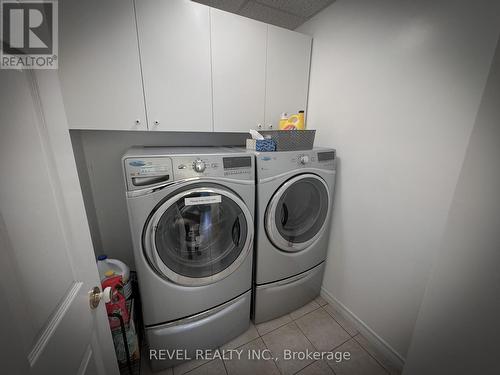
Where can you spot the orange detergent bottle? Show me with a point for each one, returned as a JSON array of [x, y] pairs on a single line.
[[294, 122]]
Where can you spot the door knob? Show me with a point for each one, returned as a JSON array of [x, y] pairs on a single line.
[[95, 296]]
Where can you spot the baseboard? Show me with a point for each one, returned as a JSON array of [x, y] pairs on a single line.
[[396, 359]]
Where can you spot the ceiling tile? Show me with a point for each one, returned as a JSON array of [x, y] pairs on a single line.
[[303, 8], [271, 15], [227, 5]]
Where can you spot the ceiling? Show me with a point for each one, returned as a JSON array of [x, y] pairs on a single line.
[[284, 13]]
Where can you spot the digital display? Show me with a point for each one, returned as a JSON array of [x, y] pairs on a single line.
[[324, 156], [237, 162]]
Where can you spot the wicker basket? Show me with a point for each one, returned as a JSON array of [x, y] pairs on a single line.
[[291, 140]]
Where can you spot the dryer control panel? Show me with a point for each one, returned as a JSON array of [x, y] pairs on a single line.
[[319, 159], [270, 164]]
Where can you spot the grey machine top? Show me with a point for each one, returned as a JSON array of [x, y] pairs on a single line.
[[146, 167], [273, 163]]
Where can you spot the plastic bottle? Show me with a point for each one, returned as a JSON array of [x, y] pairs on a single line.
[[294, 122], [283, 121], [106, 265], [102, 266], [302, 122], [118, 303]]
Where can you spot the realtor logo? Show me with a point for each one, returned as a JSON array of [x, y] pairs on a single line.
[[29, 35]]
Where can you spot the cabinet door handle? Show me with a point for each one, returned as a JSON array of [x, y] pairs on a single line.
[[259, 126], [138, 122], [270, 126], [156, 122]]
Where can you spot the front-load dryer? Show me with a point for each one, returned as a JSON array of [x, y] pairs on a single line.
[[191, 218], [294, 205]]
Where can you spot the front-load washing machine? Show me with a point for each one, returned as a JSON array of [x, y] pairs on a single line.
[[191, 218], [294, 206]]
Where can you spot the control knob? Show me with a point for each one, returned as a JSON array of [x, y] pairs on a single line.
[[199, 165], [304, 159]]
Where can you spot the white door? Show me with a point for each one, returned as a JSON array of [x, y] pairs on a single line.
[[47, 265], [287, 83], [239, 71], [174, 40], [99, 65]]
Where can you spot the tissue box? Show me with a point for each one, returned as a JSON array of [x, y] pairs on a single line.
[[261, 144]]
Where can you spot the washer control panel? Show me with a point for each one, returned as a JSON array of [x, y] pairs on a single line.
[[145, 172], [156, 167], [234, 167]]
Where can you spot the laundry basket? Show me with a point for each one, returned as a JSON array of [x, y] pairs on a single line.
[[291, 140]]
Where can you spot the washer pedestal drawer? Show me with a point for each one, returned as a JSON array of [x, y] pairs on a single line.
[[281, 297], [172, 343]]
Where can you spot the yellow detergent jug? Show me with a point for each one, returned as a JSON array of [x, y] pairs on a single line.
[[283, 121], [294, 122]]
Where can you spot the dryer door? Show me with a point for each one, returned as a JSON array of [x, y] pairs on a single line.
[[199, 236], [297, 213]]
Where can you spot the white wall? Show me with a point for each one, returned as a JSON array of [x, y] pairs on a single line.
[[98, 156], [395, 87], [458, 324]]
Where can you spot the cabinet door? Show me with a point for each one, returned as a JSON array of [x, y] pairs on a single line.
[[238, 71], [99, 65], [288, 59], [174, 40]]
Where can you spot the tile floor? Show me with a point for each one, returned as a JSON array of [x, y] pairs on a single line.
[[316, 326]]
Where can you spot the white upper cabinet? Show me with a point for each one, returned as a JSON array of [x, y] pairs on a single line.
[[238, 71], [287, 77], [174, 40], [99, 65], [177, 65]]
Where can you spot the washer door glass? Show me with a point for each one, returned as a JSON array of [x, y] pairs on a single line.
[[297, 213], [201, 233]]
